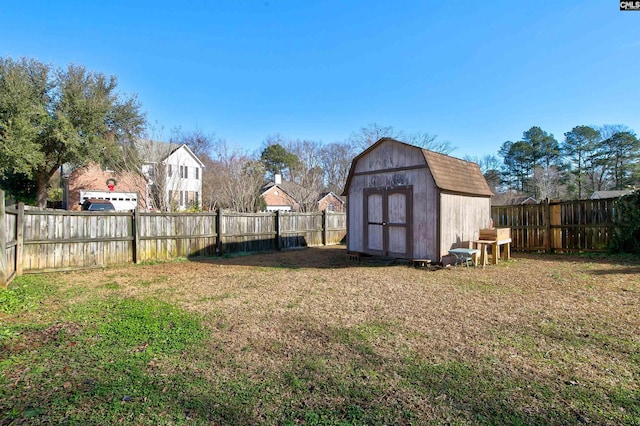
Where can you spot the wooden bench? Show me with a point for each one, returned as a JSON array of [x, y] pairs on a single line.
[[495, 249]]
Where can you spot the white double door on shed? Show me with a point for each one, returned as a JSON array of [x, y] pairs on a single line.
[[387, 221]]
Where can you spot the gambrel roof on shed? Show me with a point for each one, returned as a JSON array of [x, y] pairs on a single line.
[[449, 173], [456, 175]]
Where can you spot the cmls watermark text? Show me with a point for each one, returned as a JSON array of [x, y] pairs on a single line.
[[629, 5]]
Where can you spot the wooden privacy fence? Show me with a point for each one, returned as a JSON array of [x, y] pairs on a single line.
[[582, 225], [39, 241]]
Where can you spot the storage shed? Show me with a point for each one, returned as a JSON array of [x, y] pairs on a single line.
[[411, 203]]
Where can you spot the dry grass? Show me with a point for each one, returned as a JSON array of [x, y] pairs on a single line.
[[539, 339]]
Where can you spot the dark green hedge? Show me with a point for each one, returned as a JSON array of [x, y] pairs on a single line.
[[626, 236]]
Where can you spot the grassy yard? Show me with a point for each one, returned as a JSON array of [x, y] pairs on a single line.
[[309, 337]]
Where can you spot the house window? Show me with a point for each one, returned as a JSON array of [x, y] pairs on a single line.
[[197, 173], [331, 207], [186, 172], [169, 171], [181, 198]]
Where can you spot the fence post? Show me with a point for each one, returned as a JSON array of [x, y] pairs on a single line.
[[547, 223], [325, 227], [136, 235], [277, 226], [3, 243], [19, 239], [555, 212], [219, 232]]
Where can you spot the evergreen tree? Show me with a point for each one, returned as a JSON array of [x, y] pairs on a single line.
[[53, 117], [579, 145]]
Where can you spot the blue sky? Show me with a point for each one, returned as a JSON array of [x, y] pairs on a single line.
[[475, 73]]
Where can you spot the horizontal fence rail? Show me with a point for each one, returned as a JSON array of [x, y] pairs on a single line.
[[54, 240], [582, 225]]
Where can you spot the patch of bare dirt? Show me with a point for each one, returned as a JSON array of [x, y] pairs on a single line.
[[35, 339]]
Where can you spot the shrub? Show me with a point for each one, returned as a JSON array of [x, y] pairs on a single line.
[[626, 235]]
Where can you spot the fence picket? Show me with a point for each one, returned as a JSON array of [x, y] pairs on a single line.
[[582, 225], [36, 240], [57, 239]]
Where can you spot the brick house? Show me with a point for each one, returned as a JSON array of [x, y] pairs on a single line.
[[171, 180], [329, 201], [281, 195], [126, 190], [278, 195]]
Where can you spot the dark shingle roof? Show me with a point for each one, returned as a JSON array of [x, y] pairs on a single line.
[[610, 194], [326, 194], [456, 175], [289, 187]]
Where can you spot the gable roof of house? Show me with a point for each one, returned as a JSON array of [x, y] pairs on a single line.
[[521, 200], [157, 151], [289, 188], [324, 195], [610, 194], [449, 173], [186, 148]]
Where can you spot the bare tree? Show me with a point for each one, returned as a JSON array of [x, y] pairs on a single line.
[[307, 180], [158, 174], [370, 134], [212, 180], [430, 141], [490, 166], [234, 180], [309, 157], [198, 142], [246, 177], [307, 189], [336, 161], [608, 130], [548, 182]]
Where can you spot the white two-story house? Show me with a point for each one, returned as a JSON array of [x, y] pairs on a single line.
[[174, 175]]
